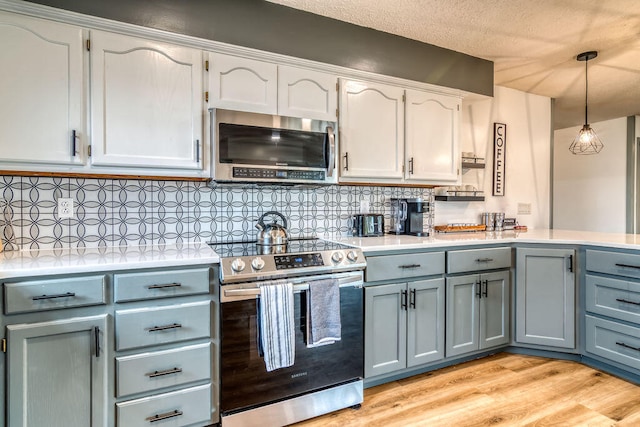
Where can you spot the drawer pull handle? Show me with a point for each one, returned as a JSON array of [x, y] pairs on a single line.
[[484, 260], [165, 286], [166, 415], [410, 266], [627, 301], [628, 266], [165, 372], [165, 327], [621, 344], [65, 295]]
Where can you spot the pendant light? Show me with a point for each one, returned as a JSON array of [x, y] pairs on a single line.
[[587, 142]]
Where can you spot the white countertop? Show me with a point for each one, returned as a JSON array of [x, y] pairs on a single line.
[[65, 261], [443, 240]]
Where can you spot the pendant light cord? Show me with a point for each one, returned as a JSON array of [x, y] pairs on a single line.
[[586, 92]]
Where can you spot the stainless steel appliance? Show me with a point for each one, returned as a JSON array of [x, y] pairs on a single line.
[[252, 147], [408, 216], [322, 379], [367, 225]]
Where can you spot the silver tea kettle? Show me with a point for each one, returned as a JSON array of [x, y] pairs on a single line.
[[274, 233]]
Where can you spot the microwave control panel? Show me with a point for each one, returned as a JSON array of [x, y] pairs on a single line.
[[264, 173]]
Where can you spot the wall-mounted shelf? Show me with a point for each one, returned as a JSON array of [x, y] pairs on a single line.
[[473, 163], [461, 196]]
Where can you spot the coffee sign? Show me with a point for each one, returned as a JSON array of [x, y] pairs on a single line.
[[499, 156]]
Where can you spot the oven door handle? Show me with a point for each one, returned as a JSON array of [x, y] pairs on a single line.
[[247, 293]]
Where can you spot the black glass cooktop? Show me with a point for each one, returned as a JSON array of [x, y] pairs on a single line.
[[294, 246]]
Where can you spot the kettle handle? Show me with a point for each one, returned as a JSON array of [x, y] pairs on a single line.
[[276, 213]]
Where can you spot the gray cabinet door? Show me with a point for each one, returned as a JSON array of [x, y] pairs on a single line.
[[494, 309], [462, 314], [385, 329], [58, 376], [425, 322], [545, 297]]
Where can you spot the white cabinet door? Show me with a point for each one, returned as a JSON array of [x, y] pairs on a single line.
[[147, 103], [41, 87], [243, 84], [307, 94], [432, 137], [371, 131]]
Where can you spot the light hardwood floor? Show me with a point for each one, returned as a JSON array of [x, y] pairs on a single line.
[[500, 390]]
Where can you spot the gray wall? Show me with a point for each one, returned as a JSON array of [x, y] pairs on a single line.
[[274, 28]]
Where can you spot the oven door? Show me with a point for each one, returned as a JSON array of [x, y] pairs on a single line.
[[246, 384]]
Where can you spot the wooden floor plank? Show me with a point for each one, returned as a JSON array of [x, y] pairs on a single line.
[[500, 390]]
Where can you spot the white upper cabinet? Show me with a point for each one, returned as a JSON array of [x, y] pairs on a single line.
[[307, 94], [431, 144], [243, 84], [42, 97], [371, 132], [147, 104]]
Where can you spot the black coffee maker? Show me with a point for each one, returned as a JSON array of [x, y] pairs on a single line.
[[407, 216]]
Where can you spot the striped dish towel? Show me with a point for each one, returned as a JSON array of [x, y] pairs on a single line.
[[277, 324]]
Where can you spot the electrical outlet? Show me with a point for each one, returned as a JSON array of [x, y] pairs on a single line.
[[65, 208], [524, 208]]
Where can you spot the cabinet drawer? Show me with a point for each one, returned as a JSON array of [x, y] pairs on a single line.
[[187, 407], [160, 284], [153, 371], [143, 327], [627, 265], [620, 343], [614, 298], [478, 259], [404, 266], [53, 294]]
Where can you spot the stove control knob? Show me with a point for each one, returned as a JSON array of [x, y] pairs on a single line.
[[237, 265], [257, 263], [352, 256], [337, 257]]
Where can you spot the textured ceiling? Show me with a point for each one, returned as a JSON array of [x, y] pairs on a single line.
[[532, 43]]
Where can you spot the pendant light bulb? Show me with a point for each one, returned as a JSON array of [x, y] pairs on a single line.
[[586, 142]]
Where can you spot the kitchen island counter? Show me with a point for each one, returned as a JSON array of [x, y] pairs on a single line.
[[392, 242], [23, 263]]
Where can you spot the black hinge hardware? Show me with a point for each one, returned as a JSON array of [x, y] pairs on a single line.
[[88, 44], [206, 96]]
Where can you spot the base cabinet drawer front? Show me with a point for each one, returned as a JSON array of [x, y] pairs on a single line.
[[398, 267], [619, 264], [161, 369], [188, 407], [160, 284], [143, 327], [52, 294], [478, 260], [615, 298], [614, 341]]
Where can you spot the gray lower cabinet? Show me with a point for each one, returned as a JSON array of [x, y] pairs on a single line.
[[477, 312], [58, 373], [404, 325], [545, 297]]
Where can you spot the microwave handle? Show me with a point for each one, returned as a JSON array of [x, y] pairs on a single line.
[[332, 150]]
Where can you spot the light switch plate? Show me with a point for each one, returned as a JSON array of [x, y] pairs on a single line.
[[524, 208], [65, 208]]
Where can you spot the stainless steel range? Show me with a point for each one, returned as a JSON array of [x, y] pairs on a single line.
[[322, 379]]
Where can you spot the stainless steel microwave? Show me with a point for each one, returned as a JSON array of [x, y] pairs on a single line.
[[252, 147]]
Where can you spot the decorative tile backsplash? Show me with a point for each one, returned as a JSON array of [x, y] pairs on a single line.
[[135, 212]]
